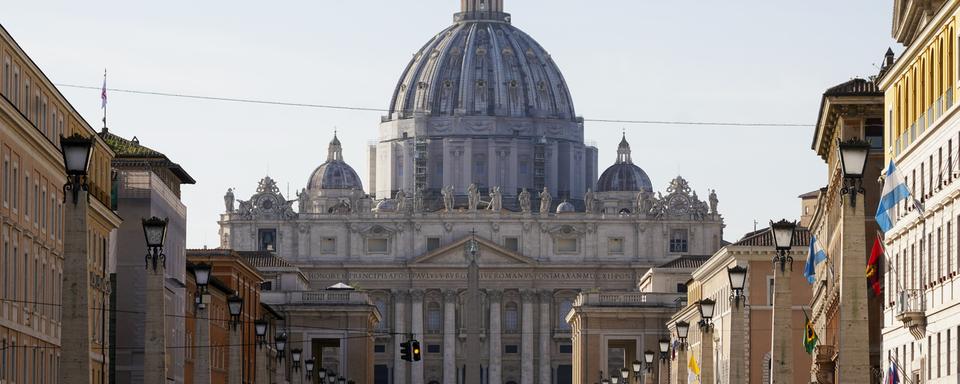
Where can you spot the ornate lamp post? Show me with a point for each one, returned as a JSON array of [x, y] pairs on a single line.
[[783, 241], [614, 379], [738, 278], [853, 161], [605, 381], [75, 354], [341, 380], [332, 377], [683, 330], [235, 307], [281, 343], [706, 314], [853, 342], [648, 362], [625, 375], [637, 366], [260, 330], [201, 361], [296, 354], [322, 375], [308, 366], [154, 350]]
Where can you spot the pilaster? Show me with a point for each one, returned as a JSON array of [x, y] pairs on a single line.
[[496, 359], [546, 297], [416, 322], [449, 336], [399, 327], [526, 357]]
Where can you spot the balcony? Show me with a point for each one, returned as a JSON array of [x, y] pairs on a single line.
[[627, 299], [911, 310]]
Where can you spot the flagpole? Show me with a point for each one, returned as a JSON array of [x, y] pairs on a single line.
[[103, 97]]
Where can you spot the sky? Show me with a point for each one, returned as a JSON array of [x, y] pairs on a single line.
[[747, 61]]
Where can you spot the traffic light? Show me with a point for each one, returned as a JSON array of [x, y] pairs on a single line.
[[405, 351], [415, 349]]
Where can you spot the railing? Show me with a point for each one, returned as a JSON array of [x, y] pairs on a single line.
[[627, 299], [924, 121], [317, 298], [910, 301]]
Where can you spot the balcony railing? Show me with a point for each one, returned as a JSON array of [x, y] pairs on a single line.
[[910, 301], [316, 298], [933, 114]]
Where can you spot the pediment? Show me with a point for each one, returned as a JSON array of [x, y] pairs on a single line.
[[491, 254]]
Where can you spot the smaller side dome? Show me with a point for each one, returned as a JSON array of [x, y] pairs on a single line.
[[334, 173], [624, 176], [566, 207]]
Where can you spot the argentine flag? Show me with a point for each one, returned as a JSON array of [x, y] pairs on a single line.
[[817, 255], [894, 191]]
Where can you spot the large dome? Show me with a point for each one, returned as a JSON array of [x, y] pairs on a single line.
[[624, 176], [482, 66], [334, 173]]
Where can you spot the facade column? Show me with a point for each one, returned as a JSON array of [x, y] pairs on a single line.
[[399, 327], [526, 357], [663, 371], [154, 327], [782, 327], [546, 297], [678, 368], [75, 323], [236, 363], [201, 361], [706, 356], [450, 336], [416, 322], [854, 331], [496, 358]]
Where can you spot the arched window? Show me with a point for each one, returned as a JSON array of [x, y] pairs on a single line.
[[511, 318], [434, 318], [564, 309]]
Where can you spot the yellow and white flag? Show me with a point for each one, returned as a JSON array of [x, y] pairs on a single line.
[[693, 370]]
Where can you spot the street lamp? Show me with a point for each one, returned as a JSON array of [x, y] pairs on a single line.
[[648, 358], [308, 365], [235, 305], [281, 341], [637, 366], [202, 273], [853, 161], [738, 279], [76, 159], [683, 329], [706, 314], [625, 374], [322, 375], [332, 377], [342, 380], [605, 381], [614, 379], [296, 353], [260, 329], [783, 241], [664, 348], [155, 231]]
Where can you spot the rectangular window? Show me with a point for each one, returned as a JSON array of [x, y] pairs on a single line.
[[949, 255], [6, 87], [6, 180], [15, 187], [681, 288], [566, 348], [615, 245], [379, 348], [771, 286], [433, 243], [26, 195], [511, 243], [678, 241], [567, 245], [16, 86], [511, 349], [433, 348], [268, 240], [377, 245], [873, 132], [328, 245]]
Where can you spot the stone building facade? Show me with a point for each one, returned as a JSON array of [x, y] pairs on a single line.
[[147, 184], [921, 313], [33, 328]]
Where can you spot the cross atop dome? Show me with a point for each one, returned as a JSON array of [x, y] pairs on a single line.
[[489, 10]]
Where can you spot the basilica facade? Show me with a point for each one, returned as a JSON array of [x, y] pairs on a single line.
[[482, 148]]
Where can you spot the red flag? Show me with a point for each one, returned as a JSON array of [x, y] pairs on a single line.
[[873, 267]]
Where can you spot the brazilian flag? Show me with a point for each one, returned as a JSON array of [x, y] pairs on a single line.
[[809, 337]]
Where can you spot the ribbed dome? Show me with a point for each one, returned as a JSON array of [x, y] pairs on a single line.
[[482, 66], [624, 175], [334, 173]]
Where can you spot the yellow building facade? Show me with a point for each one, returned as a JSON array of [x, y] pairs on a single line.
[[33, 116]]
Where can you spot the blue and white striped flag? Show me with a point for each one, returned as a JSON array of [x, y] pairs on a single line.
[[817, 255], [894, 191]]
